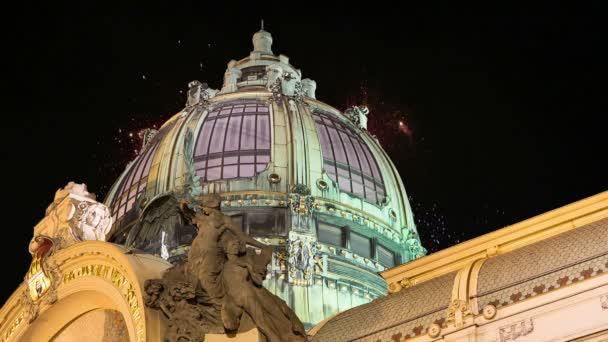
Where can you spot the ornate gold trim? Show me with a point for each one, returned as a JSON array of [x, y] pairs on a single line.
[[90, 259], [119, 281]]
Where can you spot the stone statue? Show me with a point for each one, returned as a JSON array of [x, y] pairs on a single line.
[[146, 136], [358, 114], [413, 245], [193, 182], [231, 77], [219, 288], [288, 86], [92, 221], [199, 93], [274, 77], [309, 86]]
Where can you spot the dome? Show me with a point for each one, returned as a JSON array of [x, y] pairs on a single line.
[[292, 171]]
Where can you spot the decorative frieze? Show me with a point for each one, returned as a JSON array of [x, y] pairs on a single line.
[[516, 330]]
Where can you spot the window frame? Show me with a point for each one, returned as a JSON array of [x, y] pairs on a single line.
[[344, 234], [371, 245], [277, 211], [395, 261]]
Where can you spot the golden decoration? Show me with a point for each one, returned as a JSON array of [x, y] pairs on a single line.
[[434, 330], [13, 327], [394, 287], [120, 282], [489, 311], [406, 283]]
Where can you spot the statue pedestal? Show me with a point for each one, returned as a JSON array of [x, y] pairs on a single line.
[[252, 335]]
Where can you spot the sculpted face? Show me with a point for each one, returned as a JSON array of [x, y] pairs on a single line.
[[233, 247]]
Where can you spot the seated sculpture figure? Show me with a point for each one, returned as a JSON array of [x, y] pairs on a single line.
[[243, 278], [219, 288]]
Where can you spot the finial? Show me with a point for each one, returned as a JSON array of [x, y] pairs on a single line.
[[262, 40]]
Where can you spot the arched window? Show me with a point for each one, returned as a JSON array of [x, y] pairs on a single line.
[[234, 141], [347, 159]]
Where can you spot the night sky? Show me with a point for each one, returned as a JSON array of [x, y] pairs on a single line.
[[491, 114]]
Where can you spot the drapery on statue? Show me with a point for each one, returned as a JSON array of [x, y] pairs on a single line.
[[219, 288]]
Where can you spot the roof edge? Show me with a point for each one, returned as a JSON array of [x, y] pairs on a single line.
[[532, 230]]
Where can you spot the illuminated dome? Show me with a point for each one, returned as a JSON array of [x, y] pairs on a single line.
[[293, 172]]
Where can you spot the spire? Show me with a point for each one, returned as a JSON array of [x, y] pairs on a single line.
[[262, 25]]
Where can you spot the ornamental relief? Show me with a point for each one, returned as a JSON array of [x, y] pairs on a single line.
[[74, 216], [458, 311], [516, 330], [302, 205], [302, 263]]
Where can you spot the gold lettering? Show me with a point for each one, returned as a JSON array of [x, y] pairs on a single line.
[[104, 271], [116, 278], [136, 315]]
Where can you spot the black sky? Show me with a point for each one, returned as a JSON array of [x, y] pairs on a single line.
[[506, 103]]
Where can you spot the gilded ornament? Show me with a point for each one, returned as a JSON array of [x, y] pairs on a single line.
[[489, 311], [406, 283], [434, 330], [394, 287]]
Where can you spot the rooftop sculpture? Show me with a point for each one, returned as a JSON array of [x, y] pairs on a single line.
[[219, 288]]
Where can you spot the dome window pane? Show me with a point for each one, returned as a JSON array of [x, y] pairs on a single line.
[[134, 183], [347, 159], [246, 170], [235, 143], [231, 160]]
